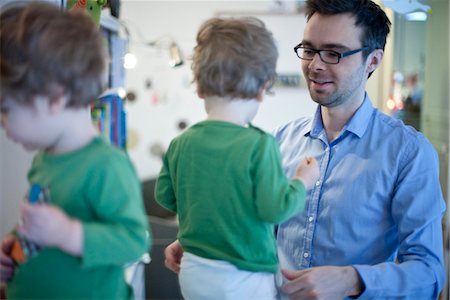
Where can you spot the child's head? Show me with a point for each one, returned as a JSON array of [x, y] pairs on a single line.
[[47, 51], [234, 58], [50, 60]]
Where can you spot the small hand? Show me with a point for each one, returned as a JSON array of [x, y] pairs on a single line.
[[6, 262], [47, 225], [173, 254], [308, 172]]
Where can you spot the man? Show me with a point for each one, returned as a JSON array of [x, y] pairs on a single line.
[[372, 225], [379, 198]]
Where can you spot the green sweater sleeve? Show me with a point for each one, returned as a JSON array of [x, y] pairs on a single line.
[[120, 232], [276, 198], [164, 192]]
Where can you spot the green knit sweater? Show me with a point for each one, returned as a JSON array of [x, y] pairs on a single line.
[[98, 186], [227, 185]]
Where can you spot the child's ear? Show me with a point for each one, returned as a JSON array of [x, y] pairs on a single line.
[[262, 92], [58, 104], [200, 95]]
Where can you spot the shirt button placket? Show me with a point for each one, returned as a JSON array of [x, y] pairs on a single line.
[[306, 257]]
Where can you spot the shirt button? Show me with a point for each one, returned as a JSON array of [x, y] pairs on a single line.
[[310, 219], [317, 182], [306, 255]]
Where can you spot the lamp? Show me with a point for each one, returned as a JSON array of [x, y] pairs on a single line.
[[175, 54], [176, 58], [164, 42], [404, 7]]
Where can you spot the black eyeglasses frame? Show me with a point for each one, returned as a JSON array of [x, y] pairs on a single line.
[[318, 51]]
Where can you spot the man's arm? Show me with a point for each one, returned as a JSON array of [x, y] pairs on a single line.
[[417, 207]]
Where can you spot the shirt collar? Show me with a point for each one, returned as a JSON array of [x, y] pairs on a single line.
[[357, 124], [360, 121]]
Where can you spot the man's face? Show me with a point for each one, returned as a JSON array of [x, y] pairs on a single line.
[[334, 84]]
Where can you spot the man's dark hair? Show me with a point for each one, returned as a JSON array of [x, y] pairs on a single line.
[[369, 16]]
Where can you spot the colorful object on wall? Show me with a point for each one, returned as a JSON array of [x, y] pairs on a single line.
[[182, 124], [157, 150], [154, 100], [133, 139], [92, 7], [131, 96]]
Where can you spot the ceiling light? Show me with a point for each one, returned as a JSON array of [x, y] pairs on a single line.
[[416, 16]]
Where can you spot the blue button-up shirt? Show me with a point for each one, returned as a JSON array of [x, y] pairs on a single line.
[[377, 206]]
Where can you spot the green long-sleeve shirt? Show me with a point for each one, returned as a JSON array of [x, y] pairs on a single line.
[[227, 185], [98, 186]]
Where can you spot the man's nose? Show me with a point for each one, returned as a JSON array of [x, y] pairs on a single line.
[[316, 63]]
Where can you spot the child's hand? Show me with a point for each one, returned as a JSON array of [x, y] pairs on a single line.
[[173, 254], [308, 171], [6, 262], [47, 225]]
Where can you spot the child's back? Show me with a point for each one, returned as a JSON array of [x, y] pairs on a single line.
[[230, 190]]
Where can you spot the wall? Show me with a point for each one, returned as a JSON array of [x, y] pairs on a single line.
[[436, 109], [410, 47], [435, 114], [14, 163]]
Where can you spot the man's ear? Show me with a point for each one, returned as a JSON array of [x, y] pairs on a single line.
[[374, 60]]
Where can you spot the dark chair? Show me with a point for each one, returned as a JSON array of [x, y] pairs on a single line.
[[160, 282]]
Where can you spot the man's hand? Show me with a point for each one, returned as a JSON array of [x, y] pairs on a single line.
[[173, 254], [322, 283], [6, 262]]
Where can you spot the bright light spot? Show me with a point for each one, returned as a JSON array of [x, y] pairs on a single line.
[[390, 104], [129, 61], [416, 16], [122, 93]]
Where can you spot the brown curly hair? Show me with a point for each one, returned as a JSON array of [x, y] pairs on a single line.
[[47, 51]]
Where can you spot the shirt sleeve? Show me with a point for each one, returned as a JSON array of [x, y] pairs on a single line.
[[120, 232], [276, 198], [417, 209], [164, 192]]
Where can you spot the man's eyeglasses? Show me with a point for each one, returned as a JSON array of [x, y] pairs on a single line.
[[327, 56]]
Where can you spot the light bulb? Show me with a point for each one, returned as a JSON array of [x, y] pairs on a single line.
[[129, 61]]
